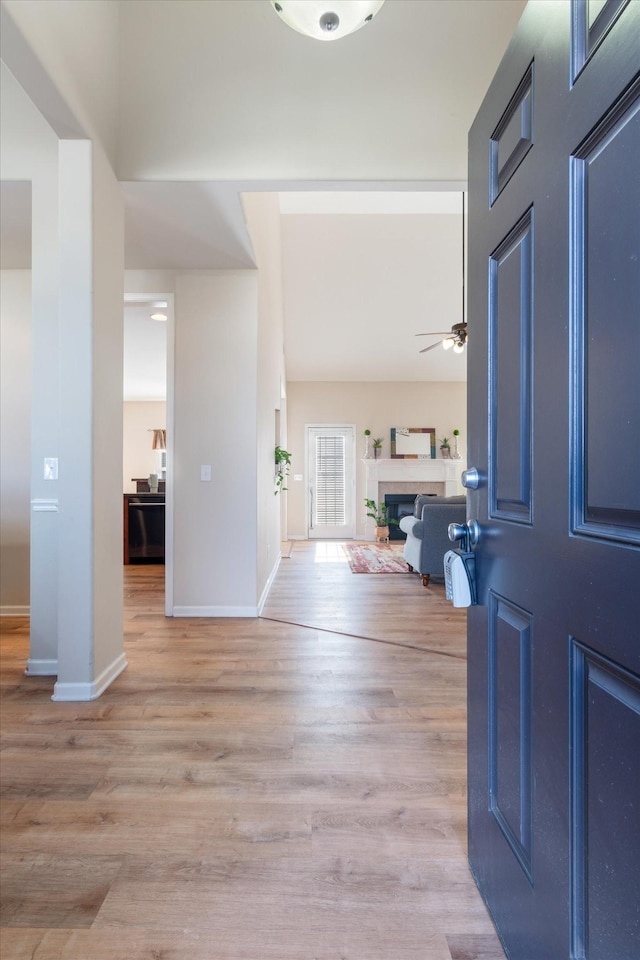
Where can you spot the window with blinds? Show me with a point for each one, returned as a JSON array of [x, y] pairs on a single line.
[[330, 492]]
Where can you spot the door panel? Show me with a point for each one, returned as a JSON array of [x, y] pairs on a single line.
[[605, 284], [606, 699], [510, 376], [554, 344], [510, 748]]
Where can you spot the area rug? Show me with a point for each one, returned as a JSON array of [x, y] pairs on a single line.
[[376, 558]]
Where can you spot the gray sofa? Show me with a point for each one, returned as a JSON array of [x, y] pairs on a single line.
[[427, 533]]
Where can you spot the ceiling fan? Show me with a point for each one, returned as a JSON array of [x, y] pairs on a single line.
[[457, 337]]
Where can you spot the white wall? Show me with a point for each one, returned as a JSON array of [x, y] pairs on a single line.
[[138, 458], [29, 151], [215, 424], [373, 406], [360, 287], [263, 220], [15, 437]]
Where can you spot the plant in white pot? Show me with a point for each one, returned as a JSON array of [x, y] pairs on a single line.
[[378, 513]]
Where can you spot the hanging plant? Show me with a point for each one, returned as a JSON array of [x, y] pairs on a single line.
[[283, 462]]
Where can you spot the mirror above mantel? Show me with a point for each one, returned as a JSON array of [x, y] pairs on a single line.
[[413, 443]]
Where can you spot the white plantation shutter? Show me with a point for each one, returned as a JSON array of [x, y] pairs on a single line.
[[330, 498]]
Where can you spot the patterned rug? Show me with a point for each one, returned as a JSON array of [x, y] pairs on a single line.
[[376, 558]]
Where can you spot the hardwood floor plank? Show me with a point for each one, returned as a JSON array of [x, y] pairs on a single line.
[[248, 789], [131, 943], [121, 828], [54, 890]]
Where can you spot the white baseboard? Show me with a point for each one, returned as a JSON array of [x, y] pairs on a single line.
[[215, 611], [41, 668], [90, 691], [15, 611], [296, 536]]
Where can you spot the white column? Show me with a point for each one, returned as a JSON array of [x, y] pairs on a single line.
[[90, 646]]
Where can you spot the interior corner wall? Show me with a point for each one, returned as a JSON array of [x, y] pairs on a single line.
[[215, 402], [15, 439], [374, 406]]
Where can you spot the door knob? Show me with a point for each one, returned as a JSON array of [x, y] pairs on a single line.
[[470, 478], [468, 532]]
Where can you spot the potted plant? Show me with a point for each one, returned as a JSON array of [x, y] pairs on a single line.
[[283, 462], [456, 452], [445, 449], [377, 446], [378, 513], [367, 438]]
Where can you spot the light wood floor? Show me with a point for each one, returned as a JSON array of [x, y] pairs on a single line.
[[249, 789]]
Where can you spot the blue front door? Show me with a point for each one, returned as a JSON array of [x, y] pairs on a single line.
[[554, 428]]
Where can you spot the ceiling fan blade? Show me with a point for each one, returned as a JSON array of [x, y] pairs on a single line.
[[434, 333], [432, 347]]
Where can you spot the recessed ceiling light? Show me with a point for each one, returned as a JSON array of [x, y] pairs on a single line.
[[158, 316]]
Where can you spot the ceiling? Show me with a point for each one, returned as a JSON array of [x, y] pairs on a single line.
[[338, 130], [145, 351]]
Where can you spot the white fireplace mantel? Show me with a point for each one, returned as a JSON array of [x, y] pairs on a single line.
[[421, 470]]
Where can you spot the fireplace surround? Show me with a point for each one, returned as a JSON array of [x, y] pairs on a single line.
[[410, 477]]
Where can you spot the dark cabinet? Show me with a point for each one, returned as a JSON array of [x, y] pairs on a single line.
[[144, 527]]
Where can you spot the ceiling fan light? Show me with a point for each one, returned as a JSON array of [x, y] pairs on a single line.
[[448, 343], [458, 347], [326, 19]]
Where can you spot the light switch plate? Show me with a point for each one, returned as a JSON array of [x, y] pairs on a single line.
[[50, 468], [205, 471]]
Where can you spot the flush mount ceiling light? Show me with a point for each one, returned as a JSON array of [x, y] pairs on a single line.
[[159, 316], [326, 19]]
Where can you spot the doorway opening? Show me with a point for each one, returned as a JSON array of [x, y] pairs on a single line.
[[148, 434]]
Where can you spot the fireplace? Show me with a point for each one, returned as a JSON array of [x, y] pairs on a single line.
[[402, 480], [399, 505]]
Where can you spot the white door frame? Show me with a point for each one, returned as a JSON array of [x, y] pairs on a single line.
[[349, 431]]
